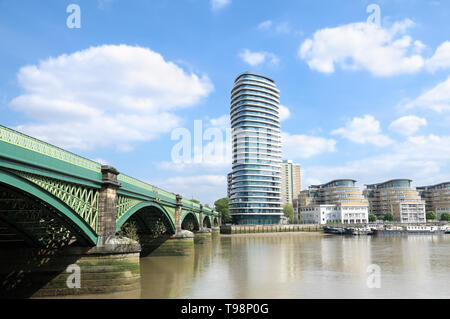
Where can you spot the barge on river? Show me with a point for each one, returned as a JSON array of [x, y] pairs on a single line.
[[407, 230]]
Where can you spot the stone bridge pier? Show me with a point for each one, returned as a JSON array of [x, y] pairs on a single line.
[[204, 234]]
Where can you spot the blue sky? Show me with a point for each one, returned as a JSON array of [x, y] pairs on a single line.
[[363, 101]]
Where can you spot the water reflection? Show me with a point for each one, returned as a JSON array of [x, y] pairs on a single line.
[[302, 266]]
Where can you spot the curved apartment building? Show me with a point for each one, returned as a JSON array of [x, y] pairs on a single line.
[[255, 125], [398, 197], [338, 201], [437, 198]]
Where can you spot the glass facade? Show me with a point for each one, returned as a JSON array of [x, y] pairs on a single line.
[[255, 124]]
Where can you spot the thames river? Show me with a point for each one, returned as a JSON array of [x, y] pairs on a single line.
[[302, 265]]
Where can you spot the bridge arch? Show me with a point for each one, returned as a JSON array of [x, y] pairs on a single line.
[[55, 209], [190, 222], [153, 210], [216, 222], [207, 222]]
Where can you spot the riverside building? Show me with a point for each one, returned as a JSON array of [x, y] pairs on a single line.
[[339, 201], [256, 141], [290, 182], [437, 198], [397, 197]]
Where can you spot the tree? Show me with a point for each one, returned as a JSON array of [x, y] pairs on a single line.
[[389, 217], [445, 216], [372, 218], [288, 211], [431, 215], [222, 207]]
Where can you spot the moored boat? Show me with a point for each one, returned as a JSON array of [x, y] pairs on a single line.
[[406, 230], [358, 231], [333, 230]]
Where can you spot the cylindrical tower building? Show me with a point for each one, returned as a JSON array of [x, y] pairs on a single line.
[[255, 125]]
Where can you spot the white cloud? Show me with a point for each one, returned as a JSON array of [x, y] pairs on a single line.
[[363, 46], [440, 59], [222, 122], [110, 95], [419, 46], [284, 113], [265, 25], [363, 130], [205, 188], [256, 58], [279, 28], [303, 146], [407, 125], [436, 99], [283, 27], [219, 4], [424, 159]]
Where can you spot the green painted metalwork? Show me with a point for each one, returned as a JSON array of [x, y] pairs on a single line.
[[185, 213], [83, 200], [19, 139], [124, 204], [153, 189], [170, 210], [130, 212], [27, 186], [76, 181]]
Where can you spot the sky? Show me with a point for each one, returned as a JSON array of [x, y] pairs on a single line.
[[144, 86]]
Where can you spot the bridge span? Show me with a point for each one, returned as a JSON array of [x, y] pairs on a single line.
[[55, 201]]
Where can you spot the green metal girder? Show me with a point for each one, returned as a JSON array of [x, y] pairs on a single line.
[[83, 200], [29, 187], [141, 205], [20, 152], [33, 159]]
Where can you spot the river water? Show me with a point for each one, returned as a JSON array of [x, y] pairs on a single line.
[[302, 265]]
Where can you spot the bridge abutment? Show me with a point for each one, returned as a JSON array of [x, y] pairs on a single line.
[[181, 244], [35, 273]]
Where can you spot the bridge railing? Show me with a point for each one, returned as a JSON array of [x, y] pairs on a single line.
[[19, 139], [135, 182], [158, 192]]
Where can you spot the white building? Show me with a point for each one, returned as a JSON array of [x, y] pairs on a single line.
[[323, 214], [339, 201]]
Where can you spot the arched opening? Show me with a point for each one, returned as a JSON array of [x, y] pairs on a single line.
[[190, 223], [148, 220], [207, 222], [34, 228], [31, 217], [147, 223], [216, 222]]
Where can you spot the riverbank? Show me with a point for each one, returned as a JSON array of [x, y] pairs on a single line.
[[300, 234], [255, 229]]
